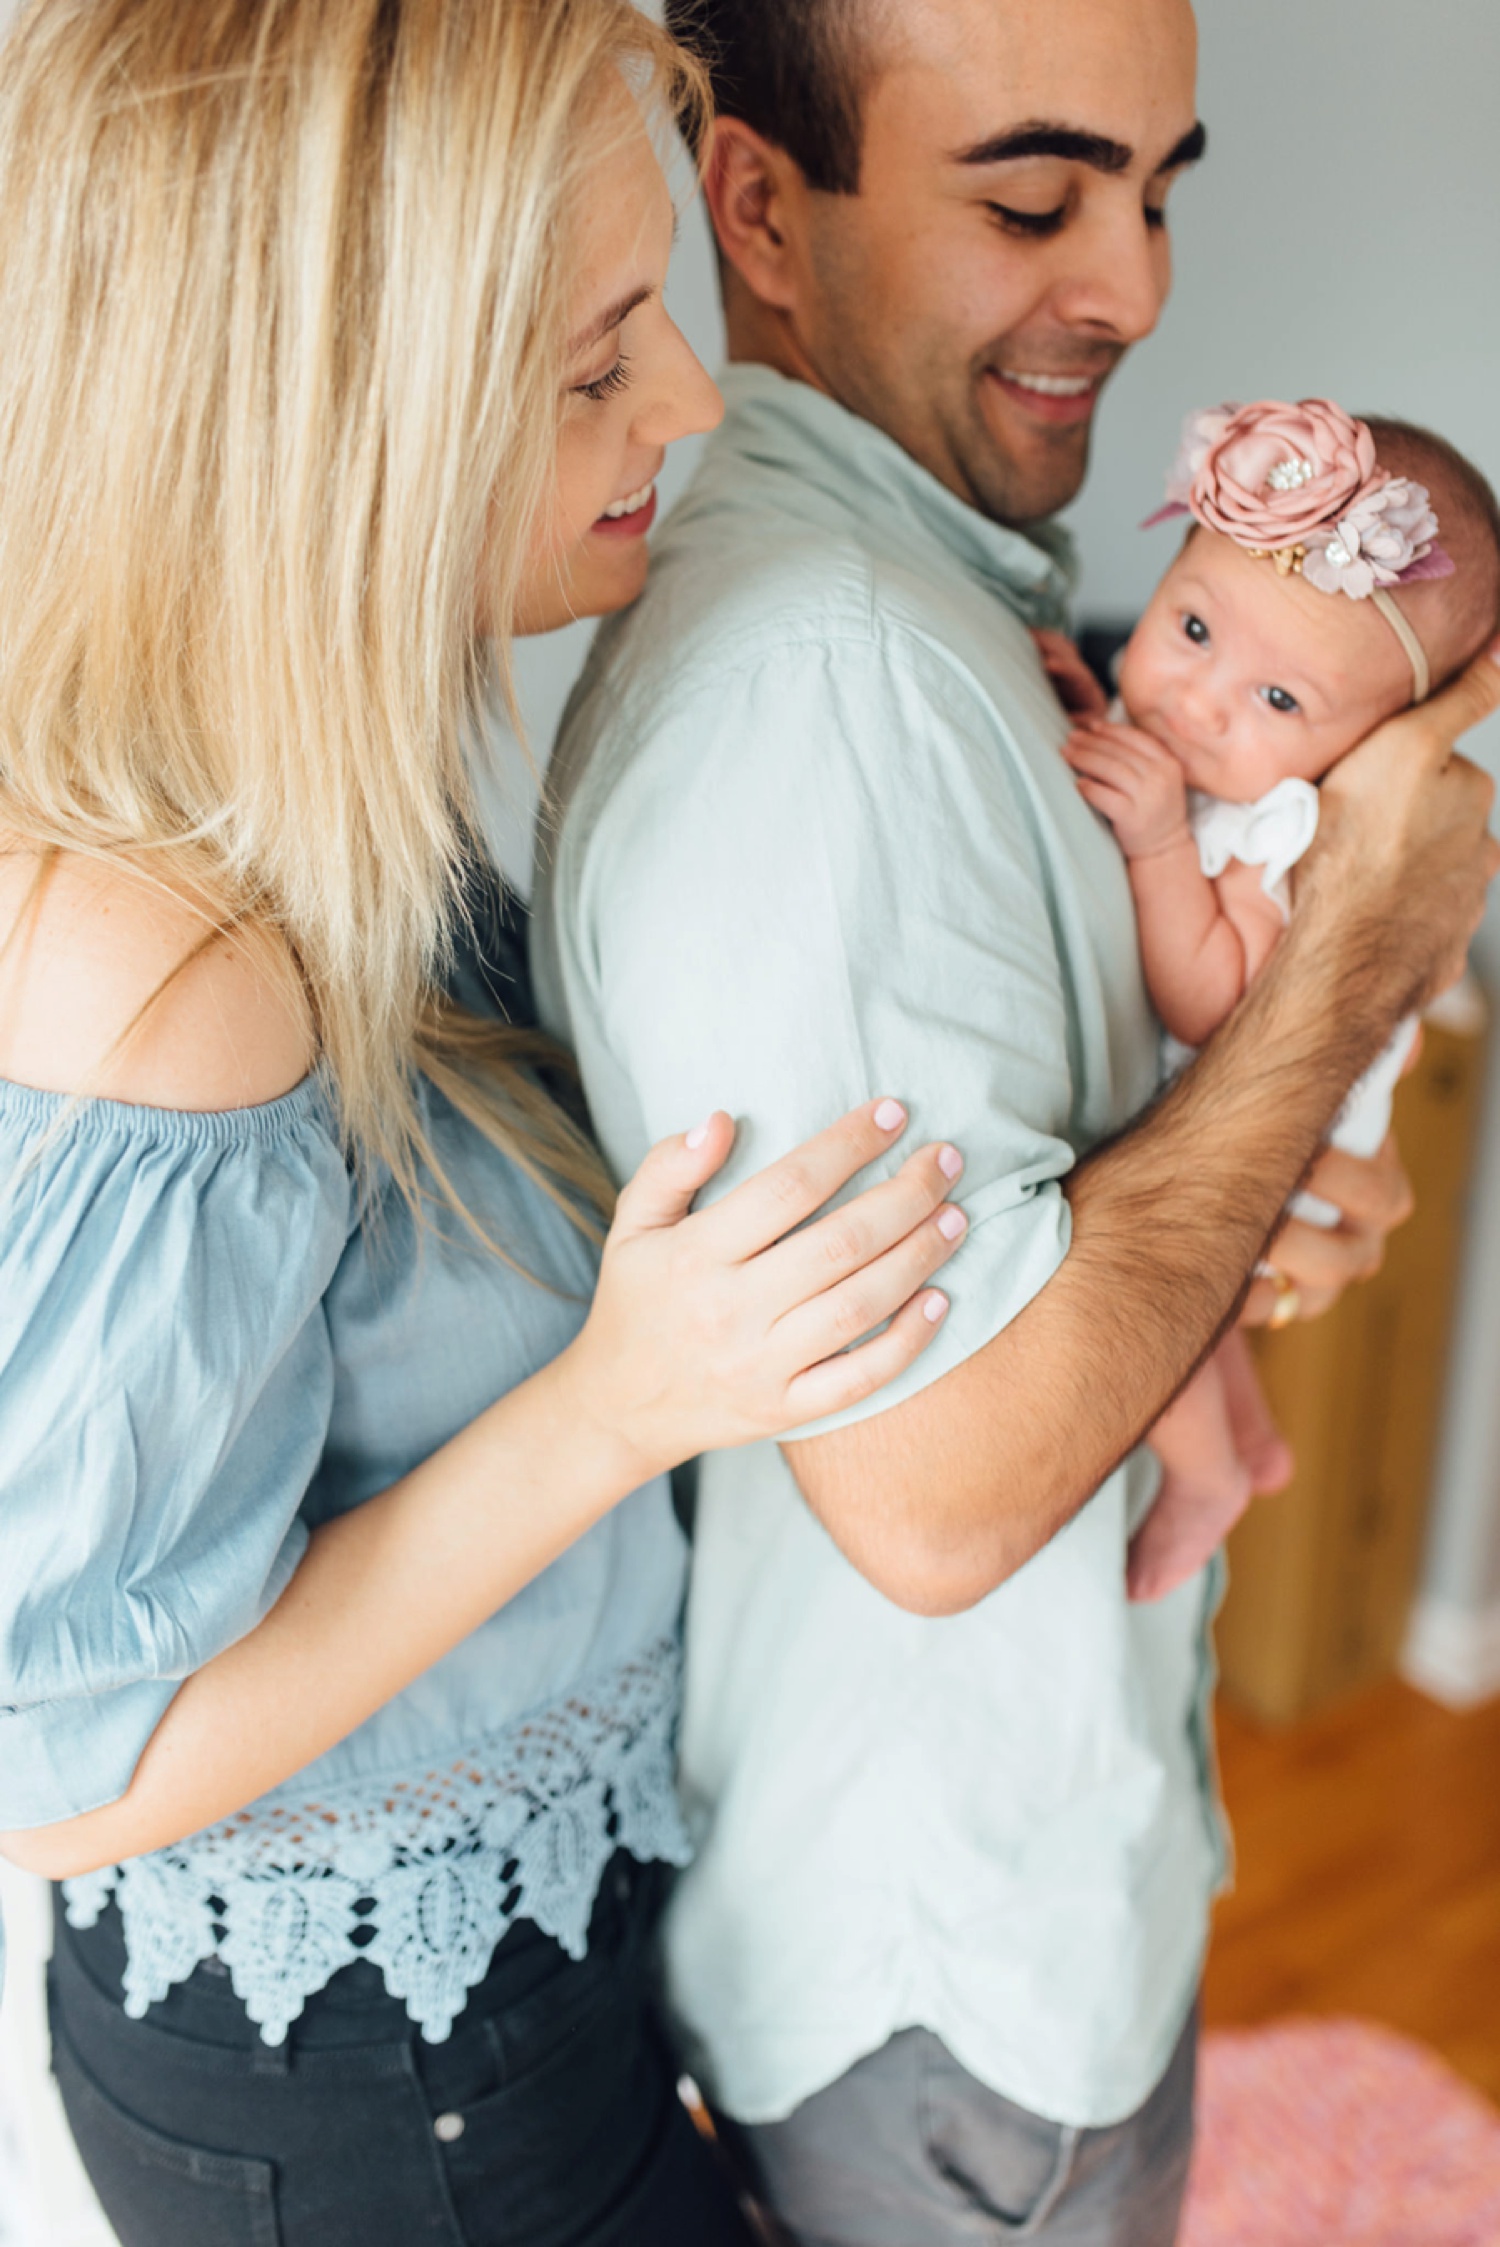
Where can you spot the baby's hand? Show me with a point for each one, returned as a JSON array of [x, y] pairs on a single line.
[[1136, 783], [1073, 682]]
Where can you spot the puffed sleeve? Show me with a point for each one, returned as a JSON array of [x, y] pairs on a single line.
[[165, 1390]]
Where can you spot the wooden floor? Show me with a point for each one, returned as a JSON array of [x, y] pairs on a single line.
[[1368, 1873]]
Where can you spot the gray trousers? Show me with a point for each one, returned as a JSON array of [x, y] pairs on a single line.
[[907, 2150]]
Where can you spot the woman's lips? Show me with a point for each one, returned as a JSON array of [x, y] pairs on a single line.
[[1062, 400], [637, 514]]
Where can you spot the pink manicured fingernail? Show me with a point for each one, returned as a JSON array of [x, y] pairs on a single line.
[[697, 1135], [951, 1222], [950, 1162], [1495, 652], [935, 1307], [890, 1115]]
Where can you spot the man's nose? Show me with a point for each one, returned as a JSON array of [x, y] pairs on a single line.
[[1119, 273]]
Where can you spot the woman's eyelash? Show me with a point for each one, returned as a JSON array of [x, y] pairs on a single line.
[[1034, 224], [608, 385]]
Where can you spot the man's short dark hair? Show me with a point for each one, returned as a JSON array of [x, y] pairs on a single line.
[[794, 70]]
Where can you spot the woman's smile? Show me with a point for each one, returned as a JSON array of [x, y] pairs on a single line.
[[631, 517]]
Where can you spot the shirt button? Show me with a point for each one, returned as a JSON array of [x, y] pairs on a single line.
[[449, 2128]]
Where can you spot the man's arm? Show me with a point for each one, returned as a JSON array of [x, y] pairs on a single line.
[[941, 1498]]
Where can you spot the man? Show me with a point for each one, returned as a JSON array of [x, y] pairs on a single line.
[[938, 1953]]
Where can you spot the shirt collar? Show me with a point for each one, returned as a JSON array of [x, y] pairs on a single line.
[[835, 460]]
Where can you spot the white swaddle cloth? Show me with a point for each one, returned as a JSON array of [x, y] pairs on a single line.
[[1273, 833]]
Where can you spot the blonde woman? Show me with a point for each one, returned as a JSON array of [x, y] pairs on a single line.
[[338, 1578]]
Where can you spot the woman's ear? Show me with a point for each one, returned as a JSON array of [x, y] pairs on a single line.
[[755, 193]]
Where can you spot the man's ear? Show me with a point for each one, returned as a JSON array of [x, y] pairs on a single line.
[[754, 191]]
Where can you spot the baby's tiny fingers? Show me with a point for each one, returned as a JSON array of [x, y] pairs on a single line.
[[1111, 802]]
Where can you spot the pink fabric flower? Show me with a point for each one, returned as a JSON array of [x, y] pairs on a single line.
[[1271, 474], [1200, 432], [1388, 532]]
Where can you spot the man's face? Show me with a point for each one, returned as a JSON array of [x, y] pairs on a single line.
[[1008, 243]]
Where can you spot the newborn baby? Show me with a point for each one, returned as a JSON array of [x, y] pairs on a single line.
[[1336, 571]]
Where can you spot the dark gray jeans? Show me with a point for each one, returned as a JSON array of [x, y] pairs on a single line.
[[908, 2150], [549, 2118]]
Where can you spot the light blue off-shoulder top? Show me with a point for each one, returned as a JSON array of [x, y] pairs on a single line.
[[210, 1341]]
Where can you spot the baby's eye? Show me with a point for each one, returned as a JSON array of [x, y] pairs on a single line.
[[1280, 700], [1195, 629]]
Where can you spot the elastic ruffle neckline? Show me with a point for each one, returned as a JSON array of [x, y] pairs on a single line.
[[309, 1101]]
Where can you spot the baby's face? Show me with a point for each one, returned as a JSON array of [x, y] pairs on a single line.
[[1250, 678]]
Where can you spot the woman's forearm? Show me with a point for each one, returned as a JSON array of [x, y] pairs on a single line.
[[380, 1595]]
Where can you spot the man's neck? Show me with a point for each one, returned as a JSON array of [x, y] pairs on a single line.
[[758, 335]]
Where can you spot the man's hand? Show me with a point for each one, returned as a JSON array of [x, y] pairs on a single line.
[[1397, 875], [1136, 783], [1374, 1195]]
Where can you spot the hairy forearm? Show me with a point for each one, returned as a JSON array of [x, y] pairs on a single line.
[[940, 1499], [1191, 952], [380, 1595]]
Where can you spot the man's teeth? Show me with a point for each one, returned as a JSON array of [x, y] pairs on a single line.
[[632, 505], [1053, 386]]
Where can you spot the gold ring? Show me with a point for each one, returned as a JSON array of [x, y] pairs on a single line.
[[1288, 1303]]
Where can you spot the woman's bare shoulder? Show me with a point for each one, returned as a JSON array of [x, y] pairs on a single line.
[[114, 985]]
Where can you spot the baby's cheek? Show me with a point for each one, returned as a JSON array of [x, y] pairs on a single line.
[[1139, 669]]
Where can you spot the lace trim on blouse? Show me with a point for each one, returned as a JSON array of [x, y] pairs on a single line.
[[422, 1873]]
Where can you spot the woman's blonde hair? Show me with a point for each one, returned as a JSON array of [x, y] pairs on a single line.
[[283, 298]]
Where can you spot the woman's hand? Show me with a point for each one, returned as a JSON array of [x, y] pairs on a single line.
[[740, 1322]]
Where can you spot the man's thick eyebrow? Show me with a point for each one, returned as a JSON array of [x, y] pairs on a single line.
[[1074, 146], [611, 318]]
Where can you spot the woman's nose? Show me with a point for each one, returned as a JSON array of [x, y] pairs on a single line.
[[684, 399]]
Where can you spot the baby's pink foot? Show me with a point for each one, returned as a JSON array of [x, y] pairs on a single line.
[[1258, 1441], [1183, 1530]]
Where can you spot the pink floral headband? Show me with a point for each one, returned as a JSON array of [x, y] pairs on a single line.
[[1299, 485]]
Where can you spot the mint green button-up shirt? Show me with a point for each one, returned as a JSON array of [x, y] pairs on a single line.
[[817, 843]]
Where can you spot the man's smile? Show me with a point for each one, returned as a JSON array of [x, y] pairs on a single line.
[[1061, 397]]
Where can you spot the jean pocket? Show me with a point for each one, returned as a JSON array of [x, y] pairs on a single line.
[[159, 2191]]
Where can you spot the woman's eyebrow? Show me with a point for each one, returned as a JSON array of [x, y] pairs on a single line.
[[611, 318], [1075, 146]]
